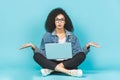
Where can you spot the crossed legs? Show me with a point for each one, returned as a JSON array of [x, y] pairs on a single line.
[[61, 66]]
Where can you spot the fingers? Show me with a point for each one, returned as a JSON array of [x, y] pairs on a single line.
[[25, 46], [94, 44], [21, 48]]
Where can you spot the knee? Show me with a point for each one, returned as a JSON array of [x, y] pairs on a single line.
[[83, 55], [36, 55]]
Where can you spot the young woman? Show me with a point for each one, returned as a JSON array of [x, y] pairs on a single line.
[[59, 29]]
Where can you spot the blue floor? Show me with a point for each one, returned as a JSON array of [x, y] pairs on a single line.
[[34, 74]]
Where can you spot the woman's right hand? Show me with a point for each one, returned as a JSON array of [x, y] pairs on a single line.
[[28, 45]]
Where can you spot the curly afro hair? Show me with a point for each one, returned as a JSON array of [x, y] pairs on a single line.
[[50, 21]]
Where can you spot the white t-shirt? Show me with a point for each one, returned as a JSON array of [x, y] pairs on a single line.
[[61, 42]]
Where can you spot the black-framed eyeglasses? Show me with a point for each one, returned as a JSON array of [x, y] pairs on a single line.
[[60, 20]]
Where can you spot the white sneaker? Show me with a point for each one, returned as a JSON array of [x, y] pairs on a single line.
[[46, 72], [77, 73]]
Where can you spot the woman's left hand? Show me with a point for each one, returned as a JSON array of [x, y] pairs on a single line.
[[93, 44]]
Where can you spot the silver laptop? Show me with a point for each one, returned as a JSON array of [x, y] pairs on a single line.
[[58, 51]]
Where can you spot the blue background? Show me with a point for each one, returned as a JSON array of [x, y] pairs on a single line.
[[22, 21]]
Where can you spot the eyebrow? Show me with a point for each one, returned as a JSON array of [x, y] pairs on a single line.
[[59, 18]]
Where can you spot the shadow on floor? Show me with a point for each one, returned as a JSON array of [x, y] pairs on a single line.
[[26, 74]]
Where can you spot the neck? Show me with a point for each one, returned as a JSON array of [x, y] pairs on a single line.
[[59, 31]]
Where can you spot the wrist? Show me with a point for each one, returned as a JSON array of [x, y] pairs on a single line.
[[33, 47], [87, 46]]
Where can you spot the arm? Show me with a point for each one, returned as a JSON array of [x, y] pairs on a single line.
[[28, 45], [35, 48], [88, 45], [86, 49]]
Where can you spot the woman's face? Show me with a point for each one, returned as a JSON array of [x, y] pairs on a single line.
[[60, 21]]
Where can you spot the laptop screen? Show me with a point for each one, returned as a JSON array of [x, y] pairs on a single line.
[[58, 51]]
